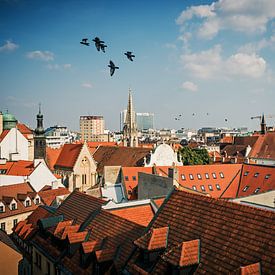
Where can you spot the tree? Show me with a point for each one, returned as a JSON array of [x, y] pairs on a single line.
[[194, 156]]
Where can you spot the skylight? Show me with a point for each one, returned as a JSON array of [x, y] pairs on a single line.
[[191, 176], [245, 189], [218, 187]]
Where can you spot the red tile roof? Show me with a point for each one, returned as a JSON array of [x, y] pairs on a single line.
[[14, 189], [155, 239], [52, 156], [93, 146], [119, 156], [68, 156], [91, 246], [48, 196], [256, 179], [18, 168], [3, 134], [252, 269], [77, 237], [264, 147], [184, 254], [231, 235], [61, 225], [105, 255], [24, 130], [67, 230]]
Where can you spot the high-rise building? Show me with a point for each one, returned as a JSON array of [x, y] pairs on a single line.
[[92, 128], [145, 121]]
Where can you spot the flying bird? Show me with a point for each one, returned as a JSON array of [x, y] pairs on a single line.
[[112, 67], [129, 55], [102, 47], [98, 43], [193, 114], [84, 42], [225, 119]]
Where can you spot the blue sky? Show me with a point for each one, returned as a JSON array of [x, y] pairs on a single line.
[[199, 57]]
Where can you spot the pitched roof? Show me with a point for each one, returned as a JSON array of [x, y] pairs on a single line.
[[94, 145], [68, 156], [77, 237], [256, 179], [91, 246], [18, 168], [48, 196], [52, 156], [231, 235], [24, 130], [14, 189], [264, 147], [252, 269], [3, 134], [246, 140], [119, 156]]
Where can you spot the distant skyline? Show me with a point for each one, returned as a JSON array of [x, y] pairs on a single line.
[[200, 57]]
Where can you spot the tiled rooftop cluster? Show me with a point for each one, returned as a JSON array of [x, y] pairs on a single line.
[[202, 235]]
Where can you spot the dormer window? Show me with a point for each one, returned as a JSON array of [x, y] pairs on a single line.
[[2, 208], [37, 201], [28, 203], [126, 178], [13, 206]]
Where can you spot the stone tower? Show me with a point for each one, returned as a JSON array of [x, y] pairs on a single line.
[[39, 138], [263, 125], [130, 133]]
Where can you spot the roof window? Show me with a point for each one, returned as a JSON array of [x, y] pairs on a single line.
[[3, 171], [202, 188], [183, 177], [256, 175], [267, 176], [206, 175], [134, 177], [194, 187], [191, 176], [257, 190], [222, 175], [246, 173], [214, 175], [246, 188], [126, 178], [218, 186], [199, 176], [210, 187]]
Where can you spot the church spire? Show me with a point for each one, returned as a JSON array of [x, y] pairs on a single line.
[[39, 137], [39, 118], [263, 125]]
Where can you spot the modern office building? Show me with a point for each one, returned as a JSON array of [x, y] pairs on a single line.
[[145, 121], [91, 127]]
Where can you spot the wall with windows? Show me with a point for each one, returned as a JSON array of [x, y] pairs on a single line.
[[41, 264]]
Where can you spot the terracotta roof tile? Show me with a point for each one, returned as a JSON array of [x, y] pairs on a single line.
[[52, 156], [68, 229], [153, 240], [61, 225], [184, 254], [68, 156], [24, 130], [231, 235], [119, 156], [91, 246], [18, 168], [106, 255], [48, 196], [77, 237], [13, 190], [252, 269], [3, 134]]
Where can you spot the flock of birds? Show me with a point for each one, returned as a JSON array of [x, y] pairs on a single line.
[[178, 117], [100, 46]]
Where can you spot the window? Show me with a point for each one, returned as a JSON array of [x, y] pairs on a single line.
[[48, 268], [199, 176], [267, 176], [3, 171], [257, 190], [37, 201], [194, 187], [182, 176], [134, 178], [210, 187], [1, 209], [214, 175], [15, 222], [256, 175], [13, 206], [28, 203], [245, 189], [3, 226], [202, 188], [191, 176], [206, 175], [246, 173], [84, 179], [126, 178], [218, 187], [221, 175]]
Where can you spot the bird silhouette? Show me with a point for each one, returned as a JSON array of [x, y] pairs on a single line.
[[102, 47], [129, 55], [98, 43], [112, 67], [84, 42]]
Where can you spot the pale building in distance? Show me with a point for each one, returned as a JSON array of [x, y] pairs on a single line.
[[92, 128], [145, 121]]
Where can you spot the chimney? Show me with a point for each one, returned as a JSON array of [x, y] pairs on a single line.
[[173, 173], [154, 169]]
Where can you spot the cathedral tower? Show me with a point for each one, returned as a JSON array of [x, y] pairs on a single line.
[[130, 133], [39, 138]]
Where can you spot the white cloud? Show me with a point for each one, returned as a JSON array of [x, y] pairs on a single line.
[[190, 86], [209, 64], [248, 16], [41, 55], [8, 46], [87, 85], [246, 65]]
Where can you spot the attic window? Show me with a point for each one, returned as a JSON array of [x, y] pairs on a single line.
[[257, 190], [245, 189], [28, 203], [246, 173], [210, 187], [183, 177], [214, 175], [267, 176], [3, 171], [221, 175], [202, 188], [2, 209], [256, 175], [37, 201], [13, 206], [134, 178], [194, 187], [206, 175], [199, 176], [126, 178], [218, 187], [191, 176]]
